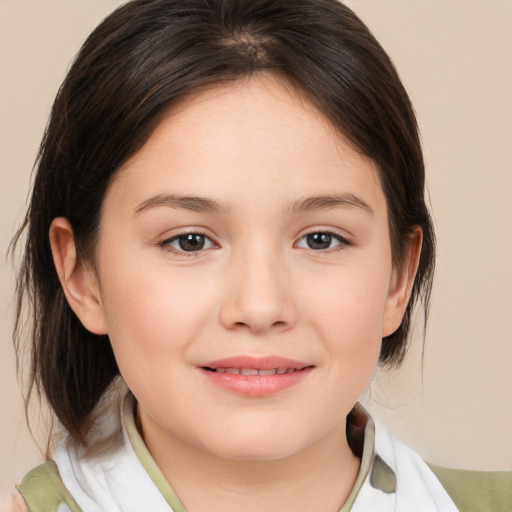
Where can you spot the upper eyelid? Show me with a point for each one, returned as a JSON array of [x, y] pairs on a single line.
[[165, 245], [346, 239], [185, 232], [344, 242], [331, 231]]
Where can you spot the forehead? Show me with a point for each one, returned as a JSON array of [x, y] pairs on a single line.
[[249, 135]]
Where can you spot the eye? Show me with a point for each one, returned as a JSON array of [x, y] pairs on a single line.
[[322, 241], [188, 242]]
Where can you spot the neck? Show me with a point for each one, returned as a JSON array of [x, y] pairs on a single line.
[[318, 478]]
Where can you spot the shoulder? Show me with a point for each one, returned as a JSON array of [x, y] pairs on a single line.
[[449, 489], [42, 490], [474, 491], [17, 504]]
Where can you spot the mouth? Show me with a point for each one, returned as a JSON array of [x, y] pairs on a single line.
[[256, 377], [254, 371]]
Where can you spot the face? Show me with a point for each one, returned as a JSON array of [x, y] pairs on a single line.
[[244, 274]]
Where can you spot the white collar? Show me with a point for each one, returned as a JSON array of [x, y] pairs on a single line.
[[123, 477]]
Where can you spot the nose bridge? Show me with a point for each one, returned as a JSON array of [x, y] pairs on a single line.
[[259, 295]]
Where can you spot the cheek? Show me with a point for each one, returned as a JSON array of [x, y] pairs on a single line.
[[349, 303], [151, 315], [349, 314]]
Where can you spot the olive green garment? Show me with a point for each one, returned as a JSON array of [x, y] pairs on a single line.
[[471, 491]]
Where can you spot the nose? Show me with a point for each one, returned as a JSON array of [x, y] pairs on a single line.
[[259, 295]]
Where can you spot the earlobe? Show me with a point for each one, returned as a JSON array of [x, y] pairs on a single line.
[[402, 280], [78, 281]]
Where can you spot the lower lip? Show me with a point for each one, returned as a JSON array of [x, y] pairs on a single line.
[[256, 385]]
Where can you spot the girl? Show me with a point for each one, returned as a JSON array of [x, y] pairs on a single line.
[[227, 234]]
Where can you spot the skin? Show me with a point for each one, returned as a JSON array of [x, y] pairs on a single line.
[[257, 149], [17, 504]]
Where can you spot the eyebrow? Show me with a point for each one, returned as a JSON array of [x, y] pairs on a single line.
[[192, 203], [204, 204], [330, 201]]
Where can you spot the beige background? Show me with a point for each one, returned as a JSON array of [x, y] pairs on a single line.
[[455, 59]]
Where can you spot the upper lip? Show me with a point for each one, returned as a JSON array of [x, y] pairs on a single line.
[[258, 363]]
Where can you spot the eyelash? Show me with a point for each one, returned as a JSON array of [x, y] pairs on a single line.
[[343, 242], [166, 244]]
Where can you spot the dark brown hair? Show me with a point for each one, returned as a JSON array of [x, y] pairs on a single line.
[[149, 54]]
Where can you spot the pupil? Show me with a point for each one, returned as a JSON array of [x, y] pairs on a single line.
[[192, 242], [319, 240]]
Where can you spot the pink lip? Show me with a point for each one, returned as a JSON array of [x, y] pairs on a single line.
[[256, 385]]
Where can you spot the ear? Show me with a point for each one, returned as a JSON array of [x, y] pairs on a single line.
[[78, 280], [402, 280]]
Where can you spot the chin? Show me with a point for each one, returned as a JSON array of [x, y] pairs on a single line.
[[259, 444], [256, 453]]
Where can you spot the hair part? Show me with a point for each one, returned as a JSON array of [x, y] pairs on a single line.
[[142, 59]]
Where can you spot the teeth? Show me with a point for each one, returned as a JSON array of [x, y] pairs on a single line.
[[255, 371], [267, 372], [248, 371]]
